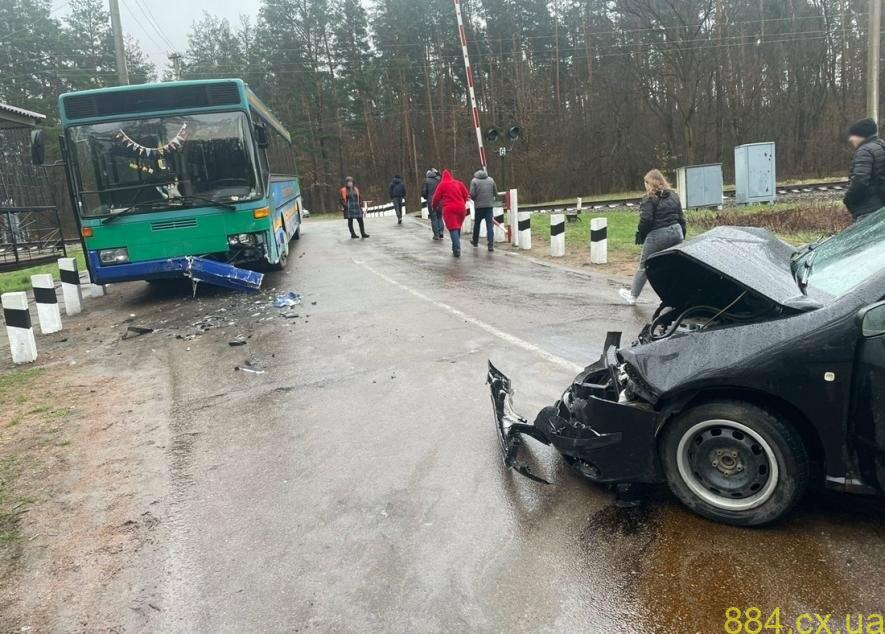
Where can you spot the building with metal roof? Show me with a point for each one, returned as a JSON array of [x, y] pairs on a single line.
[[13, 117]]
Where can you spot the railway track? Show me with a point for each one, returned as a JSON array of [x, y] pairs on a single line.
[[806, 189]]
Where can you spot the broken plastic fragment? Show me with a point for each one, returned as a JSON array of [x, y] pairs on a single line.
[[285, 300]]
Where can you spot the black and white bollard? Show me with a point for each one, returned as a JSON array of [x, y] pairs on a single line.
[[425, 211], [557, 235], [48, 311], [469, 219], [525, 230], [70, 285], [18, 327], [514, 223], [599, 241], [500, 234]]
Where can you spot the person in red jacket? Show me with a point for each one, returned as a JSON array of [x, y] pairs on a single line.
[[452, 196]]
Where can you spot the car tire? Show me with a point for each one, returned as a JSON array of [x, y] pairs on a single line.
[[734, 462]]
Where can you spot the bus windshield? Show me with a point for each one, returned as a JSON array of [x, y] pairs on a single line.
[[164, 162]]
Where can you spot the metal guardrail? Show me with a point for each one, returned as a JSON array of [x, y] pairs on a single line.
[[30, 236]]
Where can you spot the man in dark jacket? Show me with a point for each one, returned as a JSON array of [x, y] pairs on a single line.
[[867, 175], [427, 190], [483, 191], [397, 192]]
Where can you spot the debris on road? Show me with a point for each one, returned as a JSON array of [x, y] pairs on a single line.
[[240, 340], [249, 367], [286, 300], [136, 331]]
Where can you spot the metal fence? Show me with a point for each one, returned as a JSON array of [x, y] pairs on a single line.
[[30, 225]]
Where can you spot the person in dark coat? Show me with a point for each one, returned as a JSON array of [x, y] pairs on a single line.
[[352, 207], [428, 188], [483, 191], [866, 187], [451, 195], [661, 226], [397, 192]]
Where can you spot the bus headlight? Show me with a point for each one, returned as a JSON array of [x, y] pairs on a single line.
[[114, 256], [242, 239]]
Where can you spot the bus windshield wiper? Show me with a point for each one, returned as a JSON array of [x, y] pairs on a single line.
[[202, 199], [133, 209]]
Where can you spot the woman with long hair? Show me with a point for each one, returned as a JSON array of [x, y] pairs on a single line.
[[661, 226], [352, 207]]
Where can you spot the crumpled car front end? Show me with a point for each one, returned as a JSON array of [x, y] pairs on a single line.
[[603, 430]]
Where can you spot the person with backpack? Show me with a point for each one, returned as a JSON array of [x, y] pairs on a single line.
[[428, 188], [397, 191], [867, 175], [451, 196], [483, 191], [352, 207], [661, 226]]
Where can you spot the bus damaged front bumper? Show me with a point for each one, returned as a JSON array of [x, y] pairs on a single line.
[[195, 268], [605, 440]]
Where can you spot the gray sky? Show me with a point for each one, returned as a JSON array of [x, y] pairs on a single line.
[[173, 18]]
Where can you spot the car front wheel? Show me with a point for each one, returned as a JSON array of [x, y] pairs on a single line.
[[734, 462]]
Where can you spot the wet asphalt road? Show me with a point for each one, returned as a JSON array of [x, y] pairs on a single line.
[[357, 484]]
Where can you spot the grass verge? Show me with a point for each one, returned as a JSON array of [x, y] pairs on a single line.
[[20, 280]]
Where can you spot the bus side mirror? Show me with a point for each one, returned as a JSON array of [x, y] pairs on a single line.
[[261, 135], [38, 147], [873, 320]]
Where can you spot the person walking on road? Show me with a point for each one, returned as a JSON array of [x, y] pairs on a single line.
[[428, 188], [483, 192], [661, 226], [451, 196], [867, 175], [352, 207], [397, 192]]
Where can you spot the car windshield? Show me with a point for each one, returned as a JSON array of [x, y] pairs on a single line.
[[148, 163], [849, 258]]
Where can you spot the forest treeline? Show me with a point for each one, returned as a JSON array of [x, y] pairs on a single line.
[[602, 89]]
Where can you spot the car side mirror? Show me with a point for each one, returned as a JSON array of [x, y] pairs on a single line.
[[872, 320], [261, 135], [38, 147]]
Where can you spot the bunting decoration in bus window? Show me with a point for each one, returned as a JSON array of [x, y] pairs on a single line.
[[174, 144]]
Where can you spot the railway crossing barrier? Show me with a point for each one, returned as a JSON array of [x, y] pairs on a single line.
[[18, 327]]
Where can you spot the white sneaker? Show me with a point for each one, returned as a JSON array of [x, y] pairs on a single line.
[[627, 296]]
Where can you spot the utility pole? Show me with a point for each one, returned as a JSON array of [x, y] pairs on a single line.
[[175, 58], [873, 59], [122, 71]]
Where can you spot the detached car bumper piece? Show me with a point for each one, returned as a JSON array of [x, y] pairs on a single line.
[[605, 439]]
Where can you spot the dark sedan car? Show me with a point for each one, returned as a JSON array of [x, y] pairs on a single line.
[[761, 373]]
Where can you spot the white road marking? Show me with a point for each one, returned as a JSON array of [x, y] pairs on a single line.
[[500, 334]]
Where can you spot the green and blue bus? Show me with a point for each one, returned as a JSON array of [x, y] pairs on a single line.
[[164, 174]]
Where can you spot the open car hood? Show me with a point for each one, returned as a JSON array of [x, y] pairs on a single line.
[[712, 266]]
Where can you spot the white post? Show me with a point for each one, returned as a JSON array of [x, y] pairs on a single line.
[[425, 210], [70, 285], [557, 235], [97, 290], [514, 222], [599, 241], [500, 234], [18, 327], [525, 229], [48, 311]]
